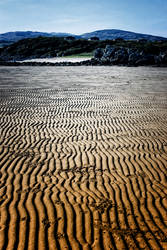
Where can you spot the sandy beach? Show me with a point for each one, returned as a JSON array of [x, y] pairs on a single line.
[[83, 158], [58, 59]]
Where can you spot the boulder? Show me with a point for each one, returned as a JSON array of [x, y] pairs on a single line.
[[109, 52], [121, 56], [163, 57], [145, 60], [98, 53], [133, 57]]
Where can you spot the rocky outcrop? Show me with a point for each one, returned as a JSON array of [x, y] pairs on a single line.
[[98, 53], [161, 59], [127, 56], [108, 56]]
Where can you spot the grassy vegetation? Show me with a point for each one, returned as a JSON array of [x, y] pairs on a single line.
[[57, 46], [52, 46], [81, 55]]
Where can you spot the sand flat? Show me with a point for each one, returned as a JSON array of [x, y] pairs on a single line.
[[58, 59], [83, 158]]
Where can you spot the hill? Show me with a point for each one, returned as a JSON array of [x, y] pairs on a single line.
[[11, 37], [42, 47], [110, 34], [126, 35]]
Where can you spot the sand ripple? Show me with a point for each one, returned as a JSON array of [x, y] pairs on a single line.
[[83, 168]]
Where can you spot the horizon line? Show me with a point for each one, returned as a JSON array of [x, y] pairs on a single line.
[[137, 32]]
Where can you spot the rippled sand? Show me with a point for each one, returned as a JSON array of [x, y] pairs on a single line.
[[83, 158]]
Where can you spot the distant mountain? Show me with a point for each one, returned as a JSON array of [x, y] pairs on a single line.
[[11, 37], [60, 34], [111, 34], [18, 35]]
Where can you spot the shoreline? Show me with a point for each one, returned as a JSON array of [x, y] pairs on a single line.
[[91, 62]]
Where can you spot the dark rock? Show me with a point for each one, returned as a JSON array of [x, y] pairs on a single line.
[[145, 60], [127, 56], [109, 52], [134, 57], [163, 57], [121, 56], [98, 53]]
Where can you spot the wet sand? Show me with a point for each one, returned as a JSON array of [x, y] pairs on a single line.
[[83, 158]]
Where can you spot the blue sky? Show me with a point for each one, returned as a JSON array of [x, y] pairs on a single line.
[[80, 16]]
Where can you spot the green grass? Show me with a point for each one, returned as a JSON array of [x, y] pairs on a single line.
[[86, 54]]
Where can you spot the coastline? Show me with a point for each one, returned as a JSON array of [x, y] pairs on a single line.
[[91, 62]]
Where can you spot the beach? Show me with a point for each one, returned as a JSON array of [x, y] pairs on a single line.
[[83, 158], [58, 59]]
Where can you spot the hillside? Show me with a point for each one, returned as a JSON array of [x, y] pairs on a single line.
[[126, 35], [42, 47], [11, 37]]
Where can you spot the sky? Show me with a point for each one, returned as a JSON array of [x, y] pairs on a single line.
[[81, 16]]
